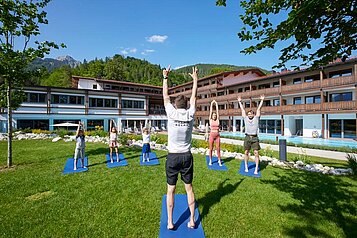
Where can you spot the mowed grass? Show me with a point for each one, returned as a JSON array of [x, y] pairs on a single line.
[[36, 200]]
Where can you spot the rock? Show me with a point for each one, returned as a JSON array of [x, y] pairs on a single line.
[[299, 162], [56, 139]]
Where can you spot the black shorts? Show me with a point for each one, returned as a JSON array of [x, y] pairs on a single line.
[[179, 163]]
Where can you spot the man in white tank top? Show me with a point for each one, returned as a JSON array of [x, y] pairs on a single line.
[[251, 127], [179, 160]]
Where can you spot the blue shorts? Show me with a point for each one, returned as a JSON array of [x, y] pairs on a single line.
[[146, 148]]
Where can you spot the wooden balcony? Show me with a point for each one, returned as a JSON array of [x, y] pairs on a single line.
[[187, 93], [300, 87], [340, 81], [346, 106], [301, 108], [316, 108]]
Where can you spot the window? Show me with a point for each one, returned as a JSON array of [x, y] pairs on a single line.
[[297, 80], [132, 104], [267, 103], [276, 102], [247, 104], [91, 124], [240, 90], [311, 78], [35, 97], [33, 124], [100, 102], [221, 107], [338, 97], [95, 86], [65, 99], [276, 84], [262, 86], [341, 73], [297, 100], [313, 99], [220, 93]]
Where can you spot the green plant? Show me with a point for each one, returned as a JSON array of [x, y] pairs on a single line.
[[267, 151], [63, 132], [302, 156], [352, 162], [159, 139], [39, 131], [26, 130]]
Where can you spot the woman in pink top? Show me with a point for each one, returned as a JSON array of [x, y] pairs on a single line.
[[214, 134]]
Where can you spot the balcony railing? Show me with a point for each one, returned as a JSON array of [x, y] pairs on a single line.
[[340, 106], [212, 88], [300, 87], [327, 107], [340, 81]]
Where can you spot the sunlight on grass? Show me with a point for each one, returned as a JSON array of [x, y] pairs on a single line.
[[37, 200]]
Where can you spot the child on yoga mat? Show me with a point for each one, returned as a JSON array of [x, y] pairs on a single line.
[[113, 141], [146, 143], [80, 146], [214, 134]]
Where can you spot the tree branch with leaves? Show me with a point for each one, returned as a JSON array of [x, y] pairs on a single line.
[[317, 32], [20, 21]]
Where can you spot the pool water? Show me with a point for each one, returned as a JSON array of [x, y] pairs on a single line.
[[301, 140]]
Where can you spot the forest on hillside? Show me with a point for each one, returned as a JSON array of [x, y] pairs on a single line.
[[120, 68]]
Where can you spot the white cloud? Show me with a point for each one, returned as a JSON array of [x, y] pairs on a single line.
[[148, 51], [156, 38], [126, 51], [179, 67]]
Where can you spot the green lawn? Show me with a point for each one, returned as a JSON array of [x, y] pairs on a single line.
[[36, 200]]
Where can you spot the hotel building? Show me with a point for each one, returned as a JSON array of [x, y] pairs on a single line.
[[320, 102]]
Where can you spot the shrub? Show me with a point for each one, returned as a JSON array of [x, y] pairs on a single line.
[[352, 162], [199, 144], [267, 151], [63, 132], [158, 138], [39, 131], [27, 130], [123, 138], [302, 156]]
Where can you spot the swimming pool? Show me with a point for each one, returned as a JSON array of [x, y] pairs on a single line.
[[301, 140]]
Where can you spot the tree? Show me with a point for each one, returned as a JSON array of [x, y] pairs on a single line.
[[19, 23], [318, 31], [60, 77], [114, 68]]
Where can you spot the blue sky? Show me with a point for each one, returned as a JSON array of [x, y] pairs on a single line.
[[176, 32]]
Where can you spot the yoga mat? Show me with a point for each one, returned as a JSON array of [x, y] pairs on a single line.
[[122, 161], [153, 160], [215, 165], [181, 215], [251, 168], [69, 167]]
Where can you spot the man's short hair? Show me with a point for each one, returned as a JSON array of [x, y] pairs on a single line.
[[250, 111], [181, 102]]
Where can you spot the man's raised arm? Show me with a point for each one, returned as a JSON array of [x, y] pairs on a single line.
[[194, 87], [260, 105], [241, 106], [165, 89]]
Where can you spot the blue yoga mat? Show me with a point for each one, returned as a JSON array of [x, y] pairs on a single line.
[[215, 165], [251, 168], [122, 161], [153, 160], [69, 167], [181, 215]]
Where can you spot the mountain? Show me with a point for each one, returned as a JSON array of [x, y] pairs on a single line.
[[51, 64], [208, 69]]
